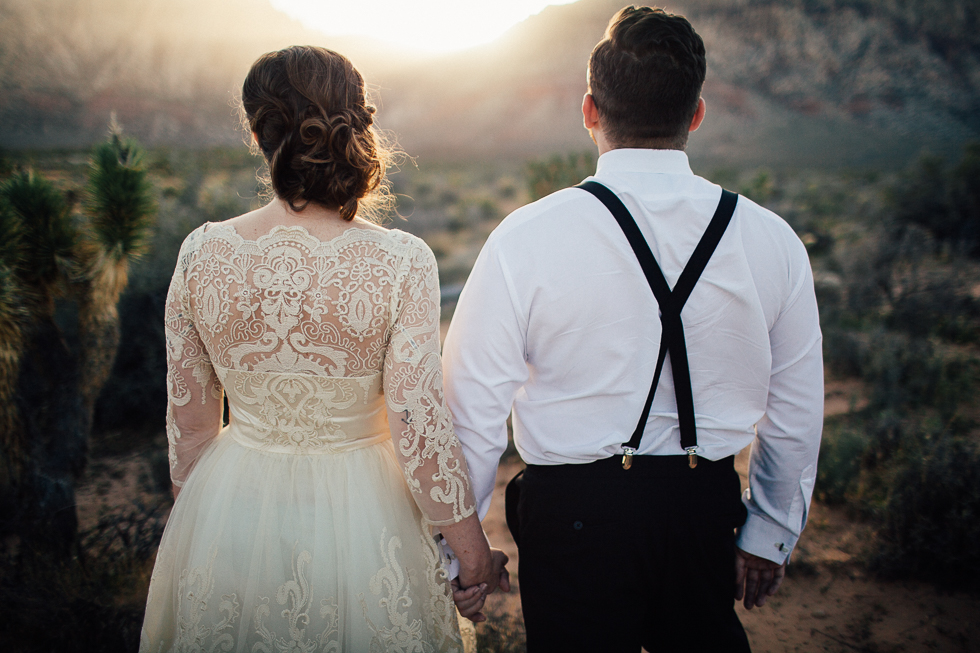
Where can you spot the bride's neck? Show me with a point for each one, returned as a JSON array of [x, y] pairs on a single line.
[[319, 221]]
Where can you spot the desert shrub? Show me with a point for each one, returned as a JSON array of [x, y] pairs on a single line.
[[546, 177], [6, 167], [906, 373], [502, 632], [841, 453], [902, 372], [129, 534], [906, 321], [931, 521], [844, 351], [158, 462], [469, 212], [937, 302], [760, 188], [95, 599], [943, 200]]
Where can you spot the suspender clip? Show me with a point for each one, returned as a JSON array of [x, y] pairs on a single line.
[[628, 457], [692, 457]]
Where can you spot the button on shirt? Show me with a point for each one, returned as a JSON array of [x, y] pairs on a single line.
[[557, 323]]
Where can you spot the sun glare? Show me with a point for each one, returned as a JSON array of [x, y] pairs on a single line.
[[428, 25]]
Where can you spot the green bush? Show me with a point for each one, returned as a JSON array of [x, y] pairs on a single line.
[[93, 601], [761, 188], [931, 526], [546, 177], [841, 454], [943, 200], [844, 352], [502, 632], [906, 373]]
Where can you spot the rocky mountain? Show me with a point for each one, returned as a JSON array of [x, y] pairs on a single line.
[[833, 81], [789, 81], [169, 69]]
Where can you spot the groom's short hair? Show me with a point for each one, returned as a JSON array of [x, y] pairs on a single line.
[[645, 77]]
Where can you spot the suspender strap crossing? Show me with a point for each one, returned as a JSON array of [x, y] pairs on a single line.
[[671, 302]]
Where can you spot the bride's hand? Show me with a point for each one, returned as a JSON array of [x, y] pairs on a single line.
[[470, 601]]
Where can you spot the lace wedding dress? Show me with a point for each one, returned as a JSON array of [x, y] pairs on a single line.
[[304, 524]]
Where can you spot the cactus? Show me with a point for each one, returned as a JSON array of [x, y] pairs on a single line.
[[57, 259]]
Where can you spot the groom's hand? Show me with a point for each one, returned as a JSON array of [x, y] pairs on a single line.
[[501, 575], [470, 600], [756, 579]]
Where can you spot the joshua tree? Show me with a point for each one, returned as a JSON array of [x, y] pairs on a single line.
[[62, 272]]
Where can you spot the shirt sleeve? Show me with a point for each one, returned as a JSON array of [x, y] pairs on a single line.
[[420, 422], [194, 393], [783, 464], [485, 367]]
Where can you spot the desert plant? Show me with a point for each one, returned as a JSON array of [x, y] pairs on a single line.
[[841, 453], [931, 524], [43, 264], [96, 599], [761, 188], [502, 632], [906, 321], [60, 284], [555, 173], [943, 200]]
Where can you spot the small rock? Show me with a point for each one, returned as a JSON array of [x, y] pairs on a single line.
[[819, 614]]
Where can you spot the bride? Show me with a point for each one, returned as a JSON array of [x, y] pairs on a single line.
[[306, 523]]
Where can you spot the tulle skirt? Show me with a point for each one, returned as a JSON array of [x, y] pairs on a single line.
[[269, 552]]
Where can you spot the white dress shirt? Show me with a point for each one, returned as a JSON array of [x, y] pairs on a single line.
[[557, 323]]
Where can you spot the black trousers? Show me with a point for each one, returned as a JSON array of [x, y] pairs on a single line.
[[614, 559]]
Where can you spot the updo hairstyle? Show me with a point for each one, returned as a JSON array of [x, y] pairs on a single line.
[[308, 110]]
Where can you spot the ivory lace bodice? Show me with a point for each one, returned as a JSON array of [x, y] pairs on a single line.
[[320, 346]]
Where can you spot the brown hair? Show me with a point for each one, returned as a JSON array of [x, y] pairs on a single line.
[[645, 77], [309, 112]]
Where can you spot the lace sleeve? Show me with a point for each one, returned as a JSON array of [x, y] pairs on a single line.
[[421, 425], [194, 393]]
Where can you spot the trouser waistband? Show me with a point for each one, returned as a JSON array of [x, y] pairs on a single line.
[[669, 466]]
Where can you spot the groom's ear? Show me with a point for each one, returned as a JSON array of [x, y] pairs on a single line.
[[698, 116], [590, 113]]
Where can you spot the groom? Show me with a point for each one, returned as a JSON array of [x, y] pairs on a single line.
[[558, 324]]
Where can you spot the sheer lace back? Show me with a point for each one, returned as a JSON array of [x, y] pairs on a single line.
[[319, 345]]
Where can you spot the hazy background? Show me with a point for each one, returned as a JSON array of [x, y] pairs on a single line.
[[797, 82]]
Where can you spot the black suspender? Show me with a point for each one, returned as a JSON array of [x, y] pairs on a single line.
[[671, 302]]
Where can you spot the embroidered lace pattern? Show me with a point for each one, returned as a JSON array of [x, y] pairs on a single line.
[[320, 632], [300, 332]]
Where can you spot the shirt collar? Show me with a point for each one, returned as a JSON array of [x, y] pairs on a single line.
[[670, 162]]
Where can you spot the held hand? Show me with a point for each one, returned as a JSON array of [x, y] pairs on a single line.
[[501, 574], [756, 579], [488, 571], [470, 601]]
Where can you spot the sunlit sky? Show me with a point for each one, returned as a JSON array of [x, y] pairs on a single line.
[[429, 25]]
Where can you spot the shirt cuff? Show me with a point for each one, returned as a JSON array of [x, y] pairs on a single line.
[[449, 560], [762, 537]]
